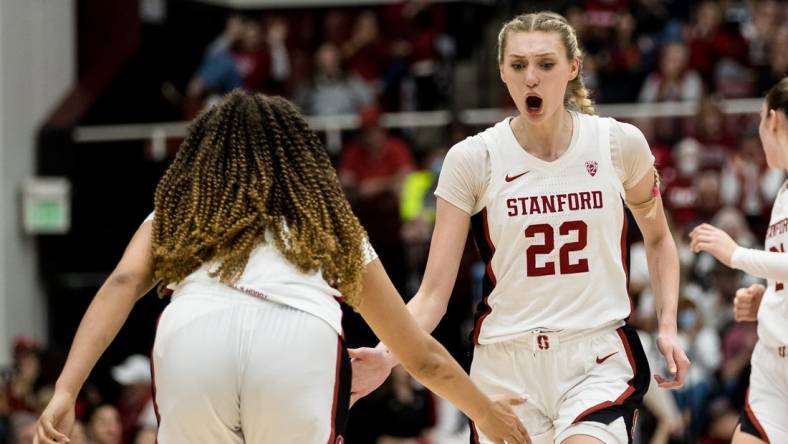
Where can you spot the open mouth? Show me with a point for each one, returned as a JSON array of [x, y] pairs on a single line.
[[533, 104]]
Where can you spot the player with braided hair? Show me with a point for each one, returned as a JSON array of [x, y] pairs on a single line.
[[253, 235]]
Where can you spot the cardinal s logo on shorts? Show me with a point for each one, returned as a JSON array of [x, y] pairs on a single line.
[[591, 167]]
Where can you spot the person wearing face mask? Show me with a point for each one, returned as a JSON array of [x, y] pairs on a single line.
[[763, 416], [702, 344], [544, 192]]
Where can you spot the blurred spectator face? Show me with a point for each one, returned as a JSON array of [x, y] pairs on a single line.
[[252, 35], [78, 435], [327, 59], [28, 365], [732, 221], [674, 60], [23, 425], [625, 27], [104, 426], [766, 17], [366, 27], [234, 27], [778, 58], [709, 191], [373, 138], [687, 157], [709, 16], [710, 116]]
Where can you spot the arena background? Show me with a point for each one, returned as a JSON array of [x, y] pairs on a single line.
[[95, 96]]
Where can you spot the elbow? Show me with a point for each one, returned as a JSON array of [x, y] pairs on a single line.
[[130, 282], [431, 365]]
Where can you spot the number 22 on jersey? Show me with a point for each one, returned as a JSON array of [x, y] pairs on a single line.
[[548, 232]]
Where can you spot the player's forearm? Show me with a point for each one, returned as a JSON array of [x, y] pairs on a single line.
[[103, 319], [663, 267], [762, 264], [427, 312], [439, 372]]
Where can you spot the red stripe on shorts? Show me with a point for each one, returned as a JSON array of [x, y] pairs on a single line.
[[332, 437], [753, 419], [623, 396]]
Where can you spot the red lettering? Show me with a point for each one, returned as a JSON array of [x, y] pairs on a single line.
[[582, 233], [548, 204], [535, 205], [585, 200], [545, 248], [561, 201], [574, 202], [512, 205], [778, 286], [597, 198], [543, 341], [523, 200]]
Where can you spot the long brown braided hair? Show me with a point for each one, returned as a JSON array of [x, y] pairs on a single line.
[[248, 166]]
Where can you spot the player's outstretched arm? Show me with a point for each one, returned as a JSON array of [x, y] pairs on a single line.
[[131, 279], [371, 366], [663, 266], [771, 264], [423, 357]]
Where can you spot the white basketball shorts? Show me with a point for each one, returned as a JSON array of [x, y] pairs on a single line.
[[579, 383], [231, 368], [765, 411]]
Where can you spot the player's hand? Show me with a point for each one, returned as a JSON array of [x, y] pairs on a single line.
[[56, 421], [500, 424], [371, 366], [675, 359], [746, 303], [716, 242]]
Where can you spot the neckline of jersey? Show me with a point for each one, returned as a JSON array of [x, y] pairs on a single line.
[[544, 163]]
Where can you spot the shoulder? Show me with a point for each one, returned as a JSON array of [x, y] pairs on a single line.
[[627, 136]]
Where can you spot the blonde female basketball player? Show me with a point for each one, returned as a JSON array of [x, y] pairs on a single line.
[[544, 194], [764, 417], [254, 235]]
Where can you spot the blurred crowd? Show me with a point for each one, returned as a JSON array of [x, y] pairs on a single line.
[[400, 57]]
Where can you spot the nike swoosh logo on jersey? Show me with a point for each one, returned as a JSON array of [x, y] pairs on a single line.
[[601, 360], [511, 178]]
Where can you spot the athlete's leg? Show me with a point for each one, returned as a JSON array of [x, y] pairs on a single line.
[[495, 371], [606, 378], [763, 414]]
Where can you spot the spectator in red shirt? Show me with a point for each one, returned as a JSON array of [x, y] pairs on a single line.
[[377, 163], [372, 170]]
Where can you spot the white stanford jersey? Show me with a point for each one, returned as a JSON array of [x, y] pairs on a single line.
[[773, 311], [552, 236]]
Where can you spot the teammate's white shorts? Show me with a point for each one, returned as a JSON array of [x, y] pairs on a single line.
[[765, 412], [230, 368], [586, 383]]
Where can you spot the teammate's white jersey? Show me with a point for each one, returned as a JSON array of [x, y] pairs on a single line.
[[552, 236], [773, 311], [269, 275]]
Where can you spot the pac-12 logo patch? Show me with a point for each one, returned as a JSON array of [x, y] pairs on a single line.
[[591, 167], [340, 440]]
